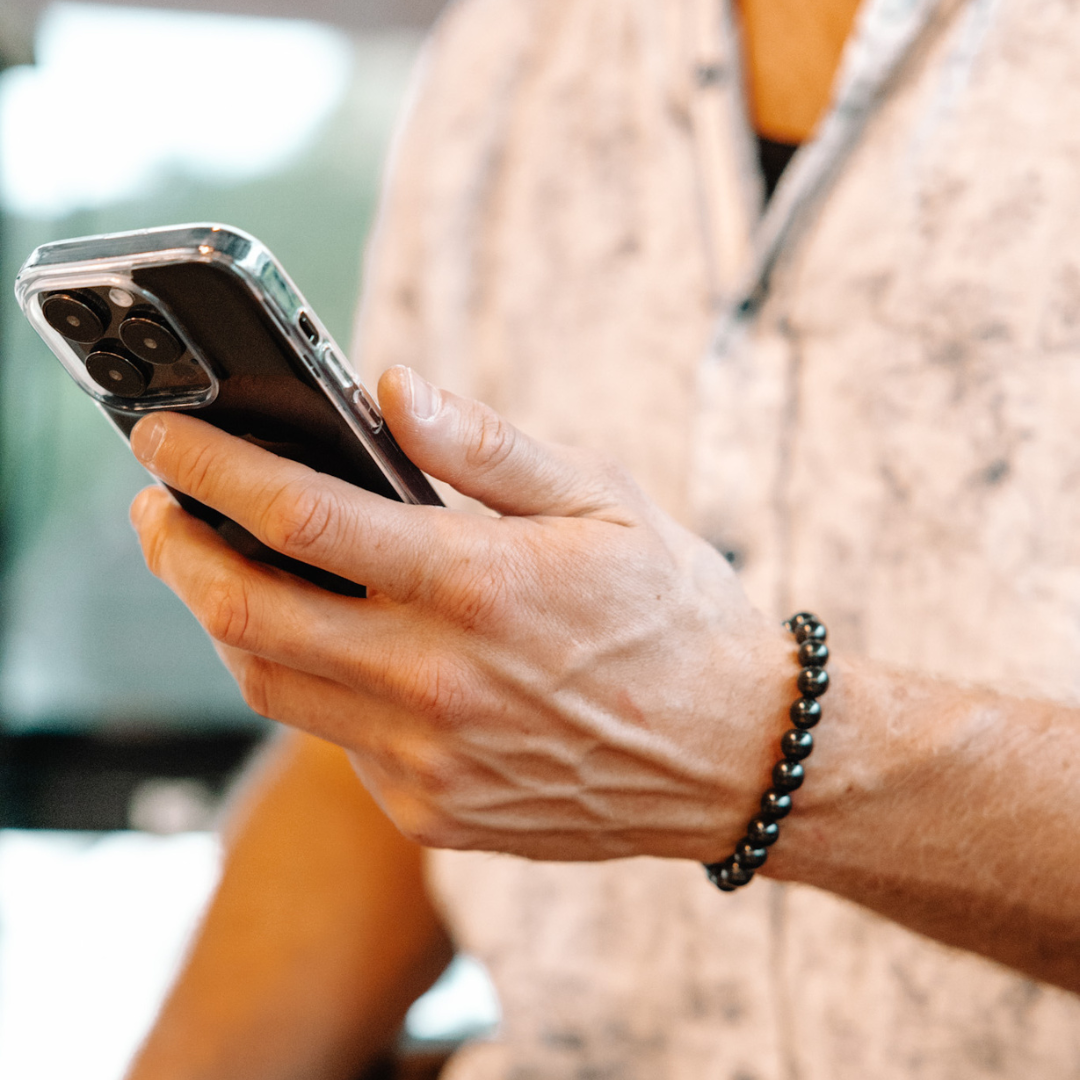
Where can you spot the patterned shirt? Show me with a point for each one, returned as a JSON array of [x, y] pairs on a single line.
[[868, 397]]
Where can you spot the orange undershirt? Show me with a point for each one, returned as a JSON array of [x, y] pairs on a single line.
[[792, 49]]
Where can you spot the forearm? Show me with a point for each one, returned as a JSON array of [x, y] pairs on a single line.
[[318, 939], [951, 810]]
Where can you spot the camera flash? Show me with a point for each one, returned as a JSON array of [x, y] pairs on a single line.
[[121, 298]]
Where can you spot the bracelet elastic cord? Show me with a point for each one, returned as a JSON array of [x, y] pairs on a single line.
[[787, 775]]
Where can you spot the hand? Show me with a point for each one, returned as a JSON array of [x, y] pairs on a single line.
[[578, 678]]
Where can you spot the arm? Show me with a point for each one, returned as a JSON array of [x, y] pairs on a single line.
[[951, 810], [583, 679], [319, 938]]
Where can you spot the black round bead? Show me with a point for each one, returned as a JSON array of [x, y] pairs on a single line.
[[736, 874], [796, 745], [805, 712], [810, 630], [762, 832], [750, 855], [813, 681], [813, 653], [718, 875], [787, 775], [776, 804]]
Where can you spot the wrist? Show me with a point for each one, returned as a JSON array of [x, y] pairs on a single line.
[[738, 718], [801, 710], [885, 736], [947, 809]]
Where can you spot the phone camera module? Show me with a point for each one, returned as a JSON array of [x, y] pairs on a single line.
[[121, 375], [150, 338], [79, 316]]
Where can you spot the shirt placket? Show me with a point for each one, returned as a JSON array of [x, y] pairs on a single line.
[[745, 245]]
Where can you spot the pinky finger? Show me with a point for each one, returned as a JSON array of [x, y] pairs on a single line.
[[372, 730], [309, 702]]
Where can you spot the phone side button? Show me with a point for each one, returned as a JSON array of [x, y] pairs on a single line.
[[366, 410], [336, 368]]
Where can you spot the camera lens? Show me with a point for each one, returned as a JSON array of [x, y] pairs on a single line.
[[79, 316], [120, 375], [150, 339]]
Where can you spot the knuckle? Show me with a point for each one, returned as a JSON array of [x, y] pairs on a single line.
[[432, 688], [435, 690], [417, 581], [481, 597], [413, 819], [608, 484], [153, 545], [478, 587], [226, 613], [422, 830], [194, 470], [427, 826], [433, 770], [610, 472], [300, 518], [494, 444]]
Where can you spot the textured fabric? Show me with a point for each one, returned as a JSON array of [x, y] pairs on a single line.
[[890, 440]]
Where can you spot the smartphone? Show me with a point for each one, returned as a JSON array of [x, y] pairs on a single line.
[[202, 319]]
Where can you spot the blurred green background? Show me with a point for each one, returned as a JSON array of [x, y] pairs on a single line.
[[89, 641]]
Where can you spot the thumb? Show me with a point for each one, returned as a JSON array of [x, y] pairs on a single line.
[[476, 451]]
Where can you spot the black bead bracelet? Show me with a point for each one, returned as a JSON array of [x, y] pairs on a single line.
[[787, 775]]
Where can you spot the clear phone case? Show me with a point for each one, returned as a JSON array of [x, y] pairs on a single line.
[[115, 274], [203, 319]]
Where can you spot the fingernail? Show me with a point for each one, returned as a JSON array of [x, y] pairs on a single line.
[[424, 400], [146, 438]]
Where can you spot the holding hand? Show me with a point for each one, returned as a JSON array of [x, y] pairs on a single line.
[[578, 678]]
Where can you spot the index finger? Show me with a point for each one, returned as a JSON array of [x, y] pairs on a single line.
[[291, 508]]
